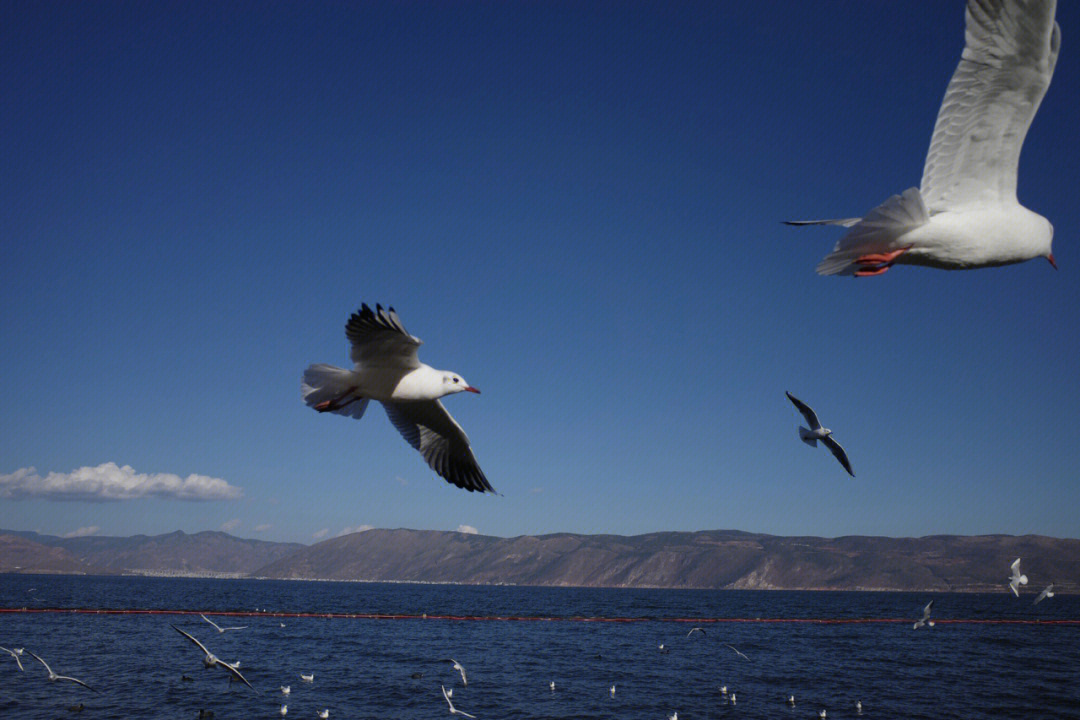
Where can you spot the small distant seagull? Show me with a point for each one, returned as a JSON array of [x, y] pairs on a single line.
[[612, 691], [450, 692], [387, 370], [925, 619], [210, 660], [284, 709], [858, 707], [694, 630], [218, 627], [1016, 579], [662, 648], [19, 651], [738, 653], [732, 698], [817, 432], [791, 700], [673, 716], [454, 710], [281, 624], [723, 689], [821, 713], [53, 677], [286, 689], [325, 714], [1048, 592], [458, 666], [552, 686], [310, 677]]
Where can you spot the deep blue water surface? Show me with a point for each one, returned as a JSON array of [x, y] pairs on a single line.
[[363, 667]]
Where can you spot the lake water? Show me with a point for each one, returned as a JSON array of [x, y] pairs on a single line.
[[363, 667]]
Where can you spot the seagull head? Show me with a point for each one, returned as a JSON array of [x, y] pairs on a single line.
[[454, 383]]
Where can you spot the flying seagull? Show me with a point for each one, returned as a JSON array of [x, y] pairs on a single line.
[[53, 677], [386, 369], [19, 651], [925, 619], [738, 653], [454, 710], [1016, 579], [694, 630], [210, 660], [965, 213], [218, 627], [459, 667], [816, 432], [1048, 591]]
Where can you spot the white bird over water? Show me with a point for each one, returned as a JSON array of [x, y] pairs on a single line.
[[286, 689], [738, 653], [210, 660], [460, 668], [612, 691], [696, 629], [310, 677], [284, 710], [15, 654], [965, 213], [387, 370], [325, 714], [1016, 579], [817, 432], [925, 619], [218, 627], [552, 686], [791, 700], [1048, 591], [454, 710], [53, 677]]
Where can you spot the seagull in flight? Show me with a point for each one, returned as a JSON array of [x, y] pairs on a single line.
[[19, 651], [925, 619], [459, 667], [454, 710], [816, 432], [53, 677], [738, 653], [387, 370], [1016, 579], [1048, 591], [210, 660], [965, 213], [218, 627], [694, 630]]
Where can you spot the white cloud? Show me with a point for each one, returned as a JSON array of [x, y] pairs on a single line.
[[467, 529], [358, 528], [82, 532], [110, 481], [230, 525], [263, 528], [320, 534]]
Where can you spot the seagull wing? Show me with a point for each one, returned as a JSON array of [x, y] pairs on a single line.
[[926, 610], [216, 627], [378, 338], [77, 682], [192, 639], [694, 630], [1010, 49], [238, 627], [31, 654], [738, 653], [236, 674], [838, 453], [809, 415], [427, 426]]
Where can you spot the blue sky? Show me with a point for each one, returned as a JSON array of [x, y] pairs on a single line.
[[577, 207]]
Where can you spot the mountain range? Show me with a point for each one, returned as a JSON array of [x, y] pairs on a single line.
[[712, 559]]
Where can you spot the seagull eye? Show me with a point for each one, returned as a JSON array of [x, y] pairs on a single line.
[[455, 380]]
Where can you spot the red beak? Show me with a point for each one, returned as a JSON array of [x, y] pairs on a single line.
[[472, 389], [1053, 262]]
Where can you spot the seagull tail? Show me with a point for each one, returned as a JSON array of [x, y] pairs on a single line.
[[881, 231], [807, 437], [842, 222], [326, 383]]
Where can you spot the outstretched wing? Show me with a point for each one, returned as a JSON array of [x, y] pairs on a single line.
[[429, 428], [378, 338], [192, 638], [1010, 49], [236, 674], [31, 654], [838, 453], [14, 655], [77, 682], [807, 413]]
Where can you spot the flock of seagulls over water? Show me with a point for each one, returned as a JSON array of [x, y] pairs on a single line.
[[964, 215]]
